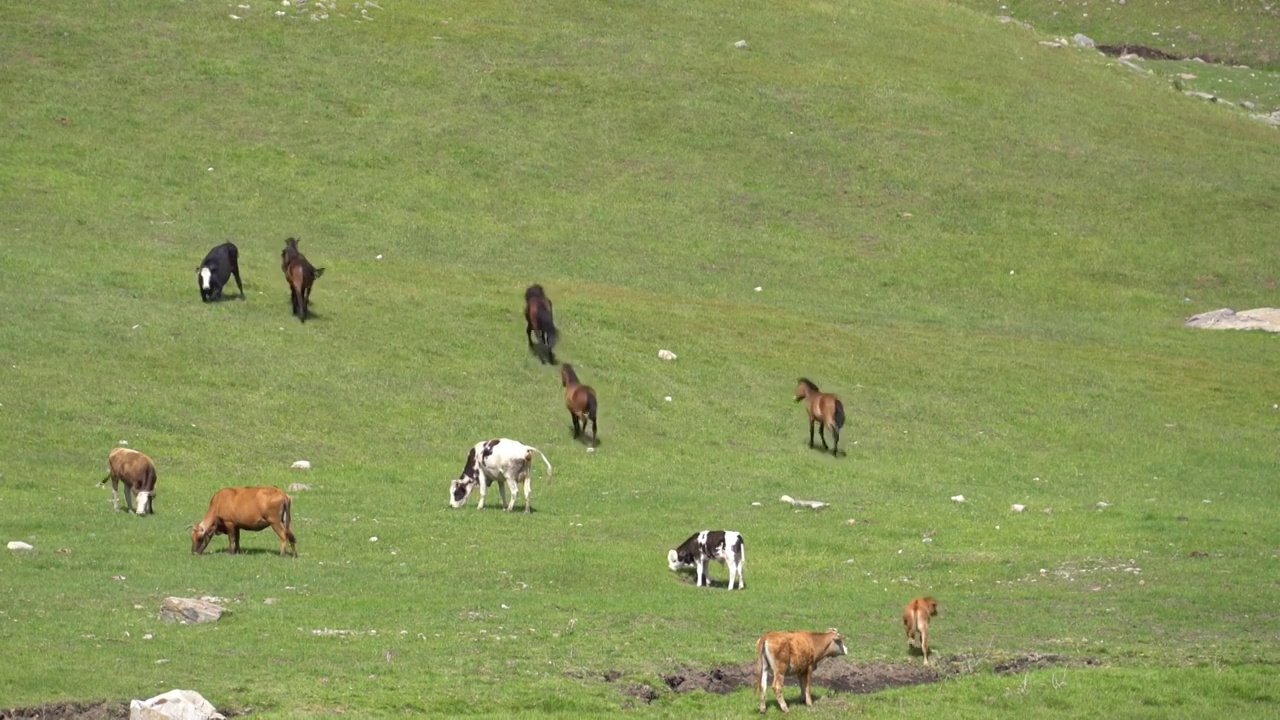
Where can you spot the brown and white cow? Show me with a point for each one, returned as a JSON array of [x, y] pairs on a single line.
[[233, 509], [499, 460], [138, 475], [793, 653]]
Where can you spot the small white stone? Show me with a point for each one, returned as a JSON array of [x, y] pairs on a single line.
[[124, 442], [379, 257], [19, 545], [591, 449], [756, 504], [506, 607], [759, 289], [1017, 508], [301, 465], [373, 539], [740, 44], [958, 498], [284, 3], [666, 355], [667, 398]]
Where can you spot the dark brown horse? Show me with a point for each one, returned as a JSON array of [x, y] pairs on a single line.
[[538, 320], [581, 401], [824, 409], [300, 274]]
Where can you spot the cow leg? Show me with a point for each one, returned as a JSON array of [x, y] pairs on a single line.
[[779, 678], [513, 488], [924, 641], [595, 433], [764, 683], [806, 680], [573, 418], [484, 488], [527, 487], [128, 497], [115, 495], [528, 329], [284, 538]]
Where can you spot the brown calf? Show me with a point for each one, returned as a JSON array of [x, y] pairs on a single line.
[[915, 618], [581, 402], [138, 474], [300, 274], [233, 509], [793, 653]]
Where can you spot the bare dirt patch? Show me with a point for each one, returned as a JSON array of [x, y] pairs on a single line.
[[839, 676], [104, 710]]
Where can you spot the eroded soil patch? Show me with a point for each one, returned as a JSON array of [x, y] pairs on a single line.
[[104, 710], [839, 676]]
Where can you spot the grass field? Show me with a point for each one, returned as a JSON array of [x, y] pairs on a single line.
[[985, 248]]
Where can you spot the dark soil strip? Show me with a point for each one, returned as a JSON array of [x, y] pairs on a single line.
[[1151, 53]]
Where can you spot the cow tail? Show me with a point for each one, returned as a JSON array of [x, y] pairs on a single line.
[[762, 662], [286, 518], [104, 480], [545, 460], [839, 417]]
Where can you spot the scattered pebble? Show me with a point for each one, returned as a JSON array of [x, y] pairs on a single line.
[[373, 539], [1017, 508], [270, 601], [666, 355], [958, 498], [19, 545], [591, 449], [378, 257], [756, 504], [759, 289], [667, 398], [295, 487], [301, 465], [1103, 504]]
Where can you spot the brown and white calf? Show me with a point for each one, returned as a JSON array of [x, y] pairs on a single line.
[[138, 475], [702, 547], [793, 653], [233, 509], [499, 460]]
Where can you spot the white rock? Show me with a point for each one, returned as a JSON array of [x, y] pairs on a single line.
[[756, 504], [19, 545], [174, 705], [740, 44], [958, 498], [1082, 40], [1017, 508], [124, 442], [301, 465], [373, 539], [759, 289], [591, 449], [378, 257], [1103, 504], [667, 398], [815, 504], [666, 355]]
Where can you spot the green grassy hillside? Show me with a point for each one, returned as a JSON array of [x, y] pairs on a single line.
[[987, 249]]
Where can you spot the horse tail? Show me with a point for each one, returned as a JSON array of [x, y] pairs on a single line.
[[318, 273], [839, 415], [544, 460], [591, 406], [551, 325]]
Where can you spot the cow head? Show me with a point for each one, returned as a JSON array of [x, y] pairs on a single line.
[[145, 503], [209, 287], [675, 562], [460, 490], [200, 537], [837, 643]]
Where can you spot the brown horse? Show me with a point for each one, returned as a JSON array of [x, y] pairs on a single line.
[[300, 274], [824, 409], [538, 320], [581, 401]]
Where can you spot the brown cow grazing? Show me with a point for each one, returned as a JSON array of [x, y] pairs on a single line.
[[233, 509], [138, 474], [915, 618], [793, 653]]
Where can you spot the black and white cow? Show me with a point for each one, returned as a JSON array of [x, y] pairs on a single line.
[[500, 460], [216, 269], [722, 545]]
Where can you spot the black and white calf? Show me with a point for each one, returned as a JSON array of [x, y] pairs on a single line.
[[216, 269], [723, 545], [500, 460]]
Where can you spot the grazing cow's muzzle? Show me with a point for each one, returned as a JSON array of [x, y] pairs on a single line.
[[459, 491], [143, 504], [673, 560], [200, 539]]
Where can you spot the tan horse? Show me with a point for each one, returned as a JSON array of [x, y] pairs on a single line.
[[581, 401], [824, 409]]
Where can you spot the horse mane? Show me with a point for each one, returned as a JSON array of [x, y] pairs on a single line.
[[534, 291], [809, 384]]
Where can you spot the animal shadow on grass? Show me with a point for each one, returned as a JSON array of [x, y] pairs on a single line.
[[689, 576], [544, 353], [827, 451]]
